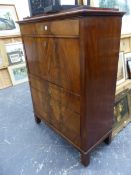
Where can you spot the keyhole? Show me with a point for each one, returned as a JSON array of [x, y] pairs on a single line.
[[45, 44], [46, 28]]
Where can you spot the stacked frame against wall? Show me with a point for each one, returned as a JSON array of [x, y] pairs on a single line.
[[122, 111], [12, 58], [122, 107]]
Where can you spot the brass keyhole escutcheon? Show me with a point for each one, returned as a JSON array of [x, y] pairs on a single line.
[[46, 28]]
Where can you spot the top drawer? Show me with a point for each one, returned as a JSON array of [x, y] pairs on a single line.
[[59, 28], [28, 29]]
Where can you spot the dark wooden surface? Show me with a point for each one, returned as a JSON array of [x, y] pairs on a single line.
[[82, 11], [72, 66], [99, 59]]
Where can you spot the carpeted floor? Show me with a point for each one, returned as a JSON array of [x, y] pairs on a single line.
[[30, 149]]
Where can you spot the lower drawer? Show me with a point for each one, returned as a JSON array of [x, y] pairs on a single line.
[[57, 107], [68, 124], [67, 99]]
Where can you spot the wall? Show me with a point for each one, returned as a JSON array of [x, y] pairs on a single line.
[[21, 7], [126, 19], [126, 26]]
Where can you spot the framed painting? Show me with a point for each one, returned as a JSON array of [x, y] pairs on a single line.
[[121, 111], [129, 103], [3, 56], [5, 80], [15, 53], [121, 69], [8, 18], [127, 57], [18, 73]]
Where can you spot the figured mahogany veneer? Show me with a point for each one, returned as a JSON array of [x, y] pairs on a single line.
[[72, 60], [58, 28]]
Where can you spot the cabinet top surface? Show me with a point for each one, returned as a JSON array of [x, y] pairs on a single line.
[[74, 13]]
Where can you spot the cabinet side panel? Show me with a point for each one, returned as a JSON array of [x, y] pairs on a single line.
[[100, 39]]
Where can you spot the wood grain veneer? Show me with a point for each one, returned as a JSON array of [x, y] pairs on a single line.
[[58, 28]]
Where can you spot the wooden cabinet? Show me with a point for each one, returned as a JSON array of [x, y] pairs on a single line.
[[72, 60]]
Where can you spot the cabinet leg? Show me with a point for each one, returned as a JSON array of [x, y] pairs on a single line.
[[108, 139], [37, 120], [85, 159]]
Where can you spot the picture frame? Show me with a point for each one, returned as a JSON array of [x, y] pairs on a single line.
[[5, 80], [8, 18], [121, 69], [121, 111], [122, 5], [121, 108], [127, 57], [18, 73], [15, 53], [129, 103], [129, 68], [38, 7], [3, 56]]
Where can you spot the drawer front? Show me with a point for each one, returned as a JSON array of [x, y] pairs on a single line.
[[63, 27], [59, 62], [53, 106], [28, 29], [56, 60], [64, 98]]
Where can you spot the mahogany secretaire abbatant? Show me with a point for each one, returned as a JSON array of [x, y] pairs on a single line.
[[72, 61]]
